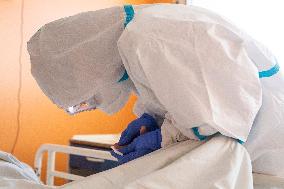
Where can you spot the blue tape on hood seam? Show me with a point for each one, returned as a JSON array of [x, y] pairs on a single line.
[[129, 11]]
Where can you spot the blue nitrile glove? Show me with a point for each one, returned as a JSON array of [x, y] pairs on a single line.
[[133, 129], [140, 146]]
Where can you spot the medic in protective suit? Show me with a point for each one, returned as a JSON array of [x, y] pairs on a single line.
[[195, 74]]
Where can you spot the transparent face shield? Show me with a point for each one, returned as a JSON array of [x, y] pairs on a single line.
[[82, 107]]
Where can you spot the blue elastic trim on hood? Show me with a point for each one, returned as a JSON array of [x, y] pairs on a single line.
[[268, 73], [129, 11]]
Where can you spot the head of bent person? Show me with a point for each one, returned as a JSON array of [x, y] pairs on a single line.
[[76, 63]]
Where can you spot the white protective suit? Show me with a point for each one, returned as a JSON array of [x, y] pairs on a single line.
[[185, 63]]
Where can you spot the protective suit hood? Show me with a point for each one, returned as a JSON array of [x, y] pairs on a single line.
[[75, 57]]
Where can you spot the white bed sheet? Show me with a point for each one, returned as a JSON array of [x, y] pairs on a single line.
[[218, 163]]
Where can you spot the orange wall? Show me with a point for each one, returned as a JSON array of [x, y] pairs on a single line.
[[40, 120]]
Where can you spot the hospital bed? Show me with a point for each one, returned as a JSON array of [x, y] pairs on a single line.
[[129, 172]]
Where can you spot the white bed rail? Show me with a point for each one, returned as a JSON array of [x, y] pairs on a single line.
[[52, 149]]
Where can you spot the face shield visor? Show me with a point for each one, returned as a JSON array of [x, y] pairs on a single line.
[[82, 107]]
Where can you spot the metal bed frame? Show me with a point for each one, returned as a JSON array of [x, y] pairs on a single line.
[[52, 149]]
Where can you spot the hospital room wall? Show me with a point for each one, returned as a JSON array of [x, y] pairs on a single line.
[[40, 120]]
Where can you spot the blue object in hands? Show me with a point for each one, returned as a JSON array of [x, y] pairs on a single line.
[[133, 129], [140, 146]]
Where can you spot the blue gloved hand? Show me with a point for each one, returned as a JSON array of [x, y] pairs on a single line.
[[133, 129], [140, 146]]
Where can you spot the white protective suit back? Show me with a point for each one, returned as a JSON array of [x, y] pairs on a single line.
[[195, 66], [75, 58], [204, 73]]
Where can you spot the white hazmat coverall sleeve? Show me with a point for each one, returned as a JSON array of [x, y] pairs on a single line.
[[196, 68]]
